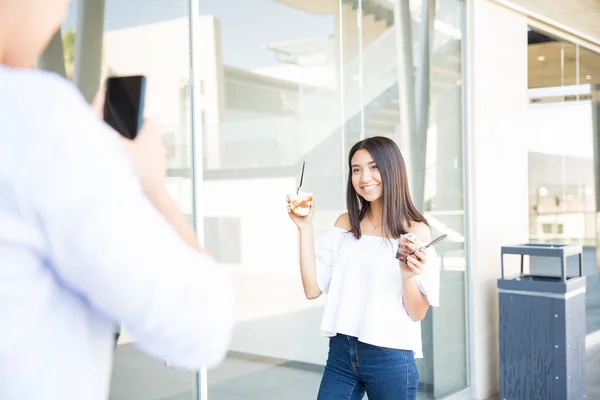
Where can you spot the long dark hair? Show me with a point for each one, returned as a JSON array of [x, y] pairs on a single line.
[[397, 206]]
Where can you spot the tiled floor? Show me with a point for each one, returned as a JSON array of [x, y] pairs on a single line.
[[137, 377], [593, 373]]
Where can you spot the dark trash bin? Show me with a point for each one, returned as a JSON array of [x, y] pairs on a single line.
[[542, 329]]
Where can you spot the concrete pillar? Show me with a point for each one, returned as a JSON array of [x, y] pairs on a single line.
[[88, 46], [422, 101], [496, 78], [53, 58], [406, 88]]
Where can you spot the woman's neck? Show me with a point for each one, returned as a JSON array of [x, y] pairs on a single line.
[[374, 214]]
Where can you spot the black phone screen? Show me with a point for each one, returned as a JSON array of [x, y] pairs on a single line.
[[124, 104]]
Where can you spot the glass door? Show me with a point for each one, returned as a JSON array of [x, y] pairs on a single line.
[[270, 100]]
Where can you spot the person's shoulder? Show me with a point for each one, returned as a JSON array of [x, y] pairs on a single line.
[[420, 230], [55, 117], [40, 83], [56, 90], [45, 96], [343, 222], [62, 109], [35, 104]]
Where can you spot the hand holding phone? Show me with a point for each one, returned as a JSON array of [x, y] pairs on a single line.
[[124, 104], [123, 107]]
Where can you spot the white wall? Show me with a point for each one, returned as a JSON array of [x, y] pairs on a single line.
[[161, 52], [498, 102]]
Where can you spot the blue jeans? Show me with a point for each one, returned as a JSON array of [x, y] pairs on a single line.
[[354, 368]]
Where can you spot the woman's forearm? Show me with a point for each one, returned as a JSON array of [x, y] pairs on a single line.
[[308, 264], [415, 302], [169, 209]]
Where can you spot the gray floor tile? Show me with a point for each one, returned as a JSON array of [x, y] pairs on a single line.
[[189, 395], [138, 377]]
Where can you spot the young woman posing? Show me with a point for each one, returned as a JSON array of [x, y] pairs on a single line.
[[380, 281]]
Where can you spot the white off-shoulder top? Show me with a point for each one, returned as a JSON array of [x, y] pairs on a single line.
[[363, 284]]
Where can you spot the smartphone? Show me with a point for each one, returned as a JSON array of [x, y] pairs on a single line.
[[124, 104]]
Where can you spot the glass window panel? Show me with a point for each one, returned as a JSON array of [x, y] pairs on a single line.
[[304, 86], [271, 100], [563, 131], [551, 62], [443, 370]]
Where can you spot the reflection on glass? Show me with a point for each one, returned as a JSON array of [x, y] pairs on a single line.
[[444, 367], [563, 122], [281, 83], [443, 370], [307, 87], [551, 62], [561, 167], [270, 100], [589, 65]]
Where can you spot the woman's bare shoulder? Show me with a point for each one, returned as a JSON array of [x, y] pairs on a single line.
[[343, 222], [421, 231]]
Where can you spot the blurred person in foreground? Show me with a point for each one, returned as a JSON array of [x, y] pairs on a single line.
[[88, 235]]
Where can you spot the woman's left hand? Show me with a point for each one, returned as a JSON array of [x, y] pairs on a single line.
[[415, 264]]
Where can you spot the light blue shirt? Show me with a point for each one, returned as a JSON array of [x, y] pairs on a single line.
[[81, 249]]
